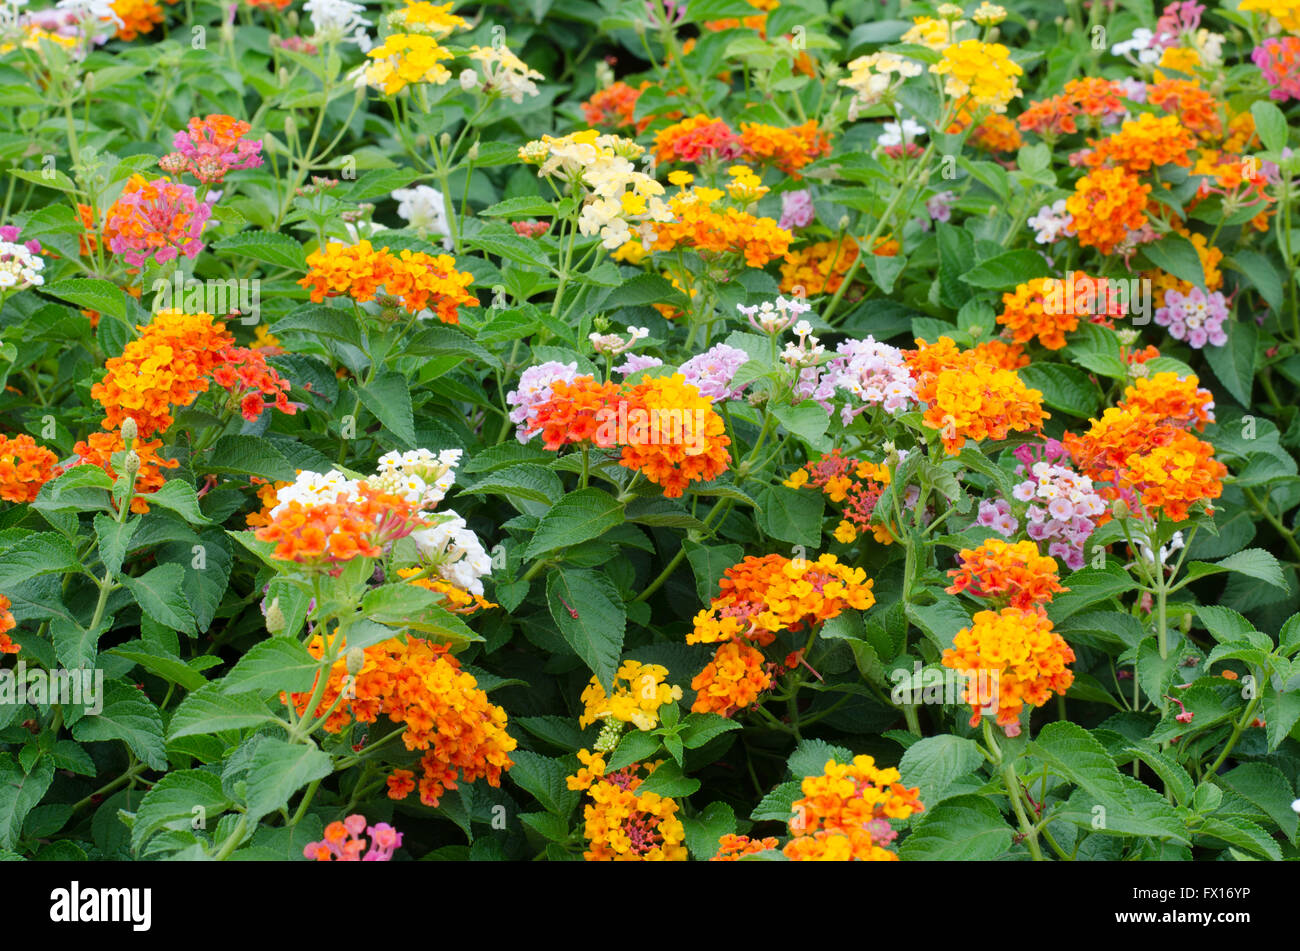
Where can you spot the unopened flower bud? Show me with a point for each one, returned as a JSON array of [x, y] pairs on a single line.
[[131, 463], [472, 152], [444, 141], [290, 127], [356, 659], [275, 619], [468, 79], [129, 431], [1119, 509]]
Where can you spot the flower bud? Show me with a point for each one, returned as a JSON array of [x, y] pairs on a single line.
[[472, 152], [1119, 509], [129, 432], [131, 463], [356, 659], [444, 141], [275, 619]]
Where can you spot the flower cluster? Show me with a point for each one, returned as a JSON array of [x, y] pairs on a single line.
[[821, 267], [614, 107], [1144, 447], [622, 824], [1194, 316], [1038, 308], [1106, 206], [969, 398], [598, 169], [1022, 651], [344, 842], [155, 221], [854, 484], [443, 711], [874, 374], [679, 439], [712, 371], [844, 813], [787, 149], [7, 624], [1063, 507], [735, 678], [1008, 575], [761, 596], [25, 466], [209, 148], [404, 59], [700, 222], [875, 77], [696, 140], [639, 691], [732, 848], [978, 73], [414, 280]]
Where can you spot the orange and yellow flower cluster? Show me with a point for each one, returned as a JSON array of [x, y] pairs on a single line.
[[844, 813], [25, 466], [664, 428], [1026, 659], [445, 714], [1009, 575], [1145, 450], [623, 824], [701, 223], [856, 484], [415, 280], [970, 398]]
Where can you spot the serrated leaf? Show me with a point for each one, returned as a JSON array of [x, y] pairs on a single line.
[[278, 770]]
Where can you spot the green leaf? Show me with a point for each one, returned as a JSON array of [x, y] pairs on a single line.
[[544, 779], [208, 710], [668, 780], [579, 516], [1234, 362], [524, 206], [811, 756], [776, 805], [179, 496], [1270, 123], [708, 562], [276, 664], [1281, 711], [1264, 785], [168, 666], [964, 828], [942, 620], [158, 592], [1004, 271], [934, 763], [1089, 586], [1170, 771], [94, 294], [389, 397], [791, 515], [633, 747], [239, 454], [703, 831], [1063, 387], [279, 769], [113, 538], [175, 801], [1242, 833], [700, 728], [596, 632], [20, 791], [39, 553], [527, 482], [270, 248], [1072, 753], [127, 715], [1176, 254]]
